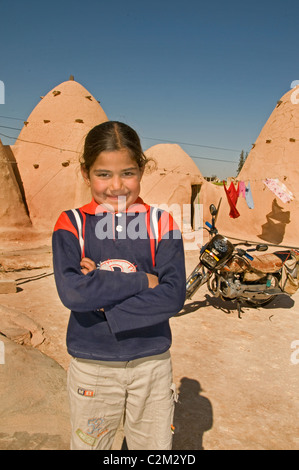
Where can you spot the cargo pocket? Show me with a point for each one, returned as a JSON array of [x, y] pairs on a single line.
[[95, 404], [164, 420]]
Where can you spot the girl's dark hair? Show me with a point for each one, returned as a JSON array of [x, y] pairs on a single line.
[[110, 136]]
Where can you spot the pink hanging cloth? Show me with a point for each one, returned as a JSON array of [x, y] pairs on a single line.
[[232, 195], [279, 189], [242, 189]]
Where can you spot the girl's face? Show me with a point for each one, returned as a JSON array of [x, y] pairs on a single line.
[[114, 179]]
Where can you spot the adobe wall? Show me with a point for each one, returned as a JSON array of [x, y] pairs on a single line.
[[274, 155], [13, 213], [48, 150]]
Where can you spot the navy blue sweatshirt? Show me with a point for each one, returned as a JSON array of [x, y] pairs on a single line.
[[115, 316]]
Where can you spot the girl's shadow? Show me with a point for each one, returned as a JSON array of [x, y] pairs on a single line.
[[193, 416]]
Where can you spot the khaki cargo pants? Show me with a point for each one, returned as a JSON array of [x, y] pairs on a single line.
[[139, 392]]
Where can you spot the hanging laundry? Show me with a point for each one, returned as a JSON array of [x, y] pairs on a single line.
[[279, 189], [232, 195], [287, 192], [242, 189], [248, 196]]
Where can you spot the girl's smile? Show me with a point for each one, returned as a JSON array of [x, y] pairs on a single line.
[[114, 179]]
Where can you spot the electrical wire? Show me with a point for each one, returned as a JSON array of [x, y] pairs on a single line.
[[143, 137], [14, 118], [214, 159], [188, 143], [68, 150], [150, 138], [39, 143], [14, 128]]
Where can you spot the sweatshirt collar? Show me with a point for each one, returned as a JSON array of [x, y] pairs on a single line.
[[94, 208]]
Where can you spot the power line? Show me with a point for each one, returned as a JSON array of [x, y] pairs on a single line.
[[213, 159], [58, 148], [14, 128], [149, 138], [39, 143], [194, 145], [69, 150], [14, 118]]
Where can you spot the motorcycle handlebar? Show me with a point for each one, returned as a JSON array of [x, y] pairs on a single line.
[[212, 229], [248, 256], [239, 251], [244, 253]]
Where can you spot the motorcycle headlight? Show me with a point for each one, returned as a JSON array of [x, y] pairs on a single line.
[[208, 259]]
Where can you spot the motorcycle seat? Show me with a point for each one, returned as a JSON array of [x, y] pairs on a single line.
[[266, 263]]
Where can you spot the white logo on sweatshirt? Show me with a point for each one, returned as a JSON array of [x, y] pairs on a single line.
[[117, 265]]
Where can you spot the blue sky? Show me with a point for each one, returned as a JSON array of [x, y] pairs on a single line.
[[192, 71]]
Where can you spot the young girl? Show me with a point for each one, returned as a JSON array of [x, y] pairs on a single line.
[[119, 267]]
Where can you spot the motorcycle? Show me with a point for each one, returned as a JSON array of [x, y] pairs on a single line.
[[233, 274]]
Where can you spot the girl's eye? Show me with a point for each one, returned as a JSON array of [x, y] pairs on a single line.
[[129, 173], [106, 175]]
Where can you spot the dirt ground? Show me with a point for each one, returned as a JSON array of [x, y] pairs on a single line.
[[238, 379]]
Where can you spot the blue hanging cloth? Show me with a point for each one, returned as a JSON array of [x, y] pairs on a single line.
[[248, 196]]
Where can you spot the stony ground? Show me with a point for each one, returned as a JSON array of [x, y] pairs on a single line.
[[238, 379]]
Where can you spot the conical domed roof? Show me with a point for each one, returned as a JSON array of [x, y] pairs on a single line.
[[274, 155], [275, 152], [49, 147], [174, 174], [173, 183]]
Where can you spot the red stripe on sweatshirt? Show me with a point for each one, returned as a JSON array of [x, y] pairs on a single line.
[[64, 223], [166, 224]]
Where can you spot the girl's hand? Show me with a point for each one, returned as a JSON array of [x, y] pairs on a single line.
[[152, 280], [87, 265]]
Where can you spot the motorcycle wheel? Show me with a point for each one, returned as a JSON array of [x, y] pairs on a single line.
[[262, 302]]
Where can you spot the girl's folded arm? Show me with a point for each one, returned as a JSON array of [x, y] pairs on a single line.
[[96, 289], [153, 306]]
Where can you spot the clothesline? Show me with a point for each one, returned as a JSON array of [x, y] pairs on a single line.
[[284, 178], [233, 193], [253, 180]]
